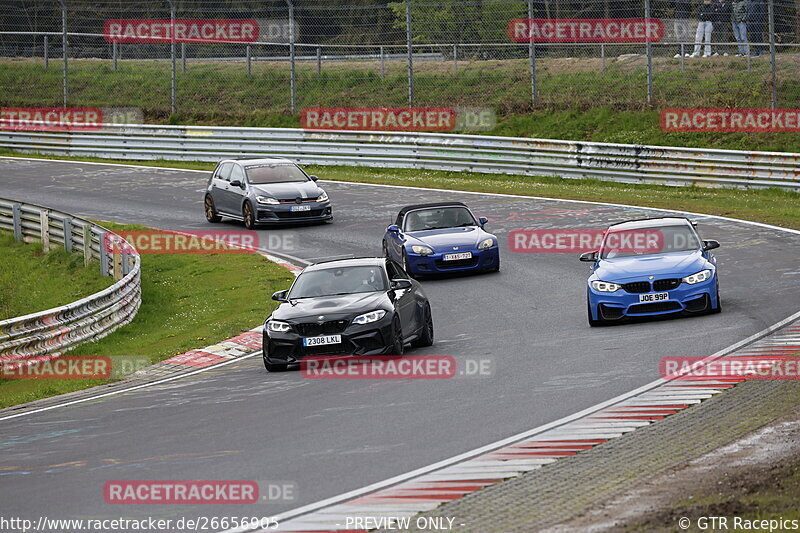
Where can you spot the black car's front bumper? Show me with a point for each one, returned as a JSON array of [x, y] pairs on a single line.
[[283, 214], [368, 339]]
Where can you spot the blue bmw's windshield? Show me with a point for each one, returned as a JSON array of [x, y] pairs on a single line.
[[648, 241]]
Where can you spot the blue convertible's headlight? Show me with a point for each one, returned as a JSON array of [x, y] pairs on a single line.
[[701, 276], [421, 250], [604, 286], [486, 244], [368, 318]]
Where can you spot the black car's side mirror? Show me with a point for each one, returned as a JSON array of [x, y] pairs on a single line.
[[710, 245], [280, 296], [237, 183], [393, 229], [589, 257], [483, 221], [400, 284], [313, 178]]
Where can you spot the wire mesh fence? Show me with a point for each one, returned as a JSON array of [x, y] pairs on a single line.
[[242, 60]]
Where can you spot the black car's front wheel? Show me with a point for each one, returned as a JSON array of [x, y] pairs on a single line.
[[272, 367], [426, 333], [248, 217], [210, 209], [398, 345]]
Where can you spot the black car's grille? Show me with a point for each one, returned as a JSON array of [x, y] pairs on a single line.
[[460, 263], [637, 287], [666, 284], [314, 329], [656, 307], [299, 214]]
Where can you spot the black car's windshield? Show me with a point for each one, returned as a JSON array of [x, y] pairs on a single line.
[[278, 173], [335, 281], [438, 218], [648, 241]]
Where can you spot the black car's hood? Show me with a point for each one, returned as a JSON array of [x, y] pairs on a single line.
[[290, 190], [331, 307]]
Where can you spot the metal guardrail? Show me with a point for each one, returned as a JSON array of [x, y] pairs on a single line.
[[51, 332], [507, 155]]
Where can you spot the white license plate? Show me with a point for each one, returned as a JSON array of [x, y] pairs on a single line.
[[456, 257], [654, 297], [300, 208], [319, 341]]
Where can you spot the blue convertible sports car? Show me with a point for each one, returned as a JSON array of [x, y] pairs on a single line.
[[440, 238], [652, 267]]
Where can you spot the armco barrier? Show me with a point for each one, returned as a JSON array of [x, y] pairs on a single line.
[[48, 333], [507, 155]]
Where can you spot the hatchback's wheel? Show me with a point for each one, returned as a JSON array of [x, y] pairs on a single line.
[[210, 210], [248, 217], [398, 346], [426, 334]]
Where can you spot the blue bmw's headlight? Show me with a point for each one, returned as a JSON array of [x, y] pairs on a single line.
[[604, 286], [699, 277], [421, 250]]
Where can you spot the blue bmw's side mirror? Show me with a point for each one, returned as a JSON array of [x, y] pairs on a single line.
[[483, 220], [393, 229]]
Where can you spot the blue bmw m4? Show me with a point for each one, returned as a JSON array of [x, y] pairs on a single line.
[[651, 267], [441, 238]]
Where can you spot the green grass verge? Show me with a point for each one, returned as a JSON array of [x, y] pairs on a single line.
[[188, 302], [771, 206], [32, 281], [577, 99]]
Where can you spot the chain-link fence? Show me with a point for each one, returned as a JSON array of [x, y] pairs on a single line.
[[238, 61]]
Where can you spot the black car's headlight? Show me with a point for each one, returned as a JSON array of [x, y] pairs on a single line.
[[323, 197], [486, 244], [368, 318], [269, 200], [698, 277], [604, 286], [278, 327], [421, 250]]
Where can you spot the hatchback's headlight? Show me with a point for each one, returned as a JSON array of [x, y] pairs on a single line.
[[267, 200], [486, 244], [278, 327], [421, 250], [698, 277], [368, 318], [604, 286], [323, 197]]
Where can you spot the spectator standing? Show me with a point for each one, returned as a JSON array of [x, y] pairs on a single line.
[[738, 18], [756, 22], [683, 12], [706, 13]]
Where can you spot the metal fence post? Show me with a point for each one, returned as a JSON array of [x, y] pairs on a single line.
[[64, 48], [602, 58], [87, 244], [293, 73], [410, 55], [532, 57], [114, 53], [183, 57], [383, 64], [16, 215], [44, 227], [249, 65], [772, 64], [319, 60], [46, 53], [173, 88], [683, 58], [649, 48], [455, 57], [67, 222], [103, 254]]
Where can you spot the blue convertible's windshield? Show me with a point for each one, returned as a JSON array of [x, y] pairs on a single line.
[[336, 281], [648, 241], [439, 218]]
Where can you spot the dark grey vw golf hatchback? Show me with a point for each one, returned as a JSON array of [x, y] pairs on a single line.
[[265, 191]]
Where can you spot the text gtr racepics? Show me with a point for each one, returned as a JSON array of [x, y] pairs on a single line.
[[651, 267]]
